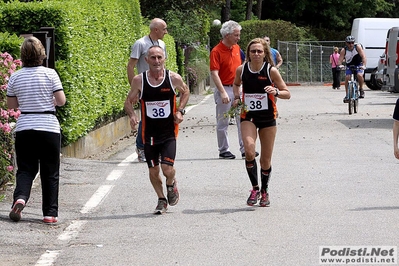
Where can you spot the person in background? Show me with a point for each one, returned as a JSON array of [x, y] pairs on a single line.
[[157, 89], [336, 70], [36, 90], [353, 55], [225, 57], [242, 54], [276, 56], [396, 130], [261, 85], [158, 29]]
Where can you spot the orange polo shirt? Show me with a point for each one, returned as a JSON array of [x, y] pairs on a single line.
[[225, 60]]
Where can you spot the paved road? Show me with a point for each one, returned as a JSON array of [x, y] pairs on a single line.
[[334, 182]]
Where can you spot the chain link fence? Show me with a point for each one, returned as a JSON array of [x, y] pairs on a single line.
[[307, 62]]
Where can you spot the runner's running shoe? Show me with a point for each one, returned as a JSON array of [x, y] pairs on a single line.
[[162, 206], [16, 210], [253, 197], [173, 194], [50, 219], [264, 200]]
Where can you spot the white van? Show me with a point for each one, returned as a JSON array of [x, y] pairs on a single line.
[[388, 71], [372, 34]]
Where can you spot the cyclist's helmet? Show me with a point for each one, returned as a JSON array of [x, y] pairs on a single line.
[[350, 38]]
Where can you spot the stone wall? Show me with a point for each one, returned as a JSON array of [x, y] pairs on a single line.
[[99, 139]]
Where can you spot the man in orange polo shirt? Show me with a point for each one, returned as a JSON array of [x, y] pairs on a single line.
[[224, 60]]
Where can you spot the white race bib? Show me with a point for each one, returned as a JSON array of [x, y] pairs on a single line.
[[158, 109], [256, 101]]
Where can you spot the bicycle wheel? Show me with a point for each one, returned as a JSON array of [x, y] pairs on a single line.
[[350, 97], [355, 98]]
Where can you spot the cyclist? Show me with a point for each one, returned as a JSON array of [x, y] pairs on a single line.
[[354, 55]]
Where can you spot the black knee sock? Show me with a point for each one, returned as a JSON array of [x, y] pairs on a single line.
[[265, 177], [252, 170]]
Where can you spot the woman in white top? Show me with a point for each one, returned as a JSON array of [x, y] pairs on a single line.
[[36, 90]]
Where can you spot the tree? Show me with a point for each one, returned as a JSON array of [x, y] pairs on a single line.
[[225, 12], [159, 8], [259, 9], [248, 15], [336, 15]]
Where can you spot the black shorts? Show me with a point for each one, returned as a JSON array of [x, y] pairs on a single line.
[[164, 152], [261, 124]]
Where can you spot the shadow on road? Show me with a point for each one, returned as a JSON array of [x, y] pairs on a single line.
[[221, 211], [382, 123], [382, 208]]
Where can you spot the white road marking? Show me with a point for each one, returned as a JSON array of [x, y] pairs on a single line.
[[96, 199], [115, 175], [128, 160], [48, 258], [72, 230]]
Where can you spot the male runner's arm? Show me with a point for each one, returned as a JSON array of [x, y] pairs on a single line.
[[132, 98], [179, 84]]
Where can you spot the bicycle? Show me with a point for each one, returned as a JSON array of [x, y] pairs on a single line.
[[353, 91]]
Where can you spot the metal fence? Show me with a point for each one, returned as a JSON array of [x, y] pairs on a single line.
[[307, 62]]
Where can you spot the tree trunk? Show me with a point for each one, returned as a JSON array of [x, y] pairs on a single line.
[[226, 11], [249, 10], [259, 9]]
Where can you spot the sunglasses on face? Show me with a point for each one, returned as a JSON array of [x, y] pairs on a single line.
[[256, 51], [350, 42]]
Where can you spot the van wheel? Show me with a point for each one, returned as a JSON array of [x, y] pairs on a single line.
[[373, 84]]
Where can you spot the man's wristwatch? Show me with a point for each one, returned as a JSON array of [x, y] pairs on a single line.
[[277, 92], [182, 111]]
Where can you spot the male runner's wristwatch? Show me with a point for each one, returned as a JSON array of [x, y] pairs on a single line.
[[277, 92], [182, 111]]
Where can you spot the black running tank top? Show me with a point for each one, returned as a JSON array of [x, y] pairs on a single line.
[[158, 105], [260, 105]]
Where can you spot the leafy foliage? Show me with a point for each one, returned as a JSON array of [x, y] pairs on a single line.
[[196, 22], [197, 64], [11, 44], [93, 40], [237, 110], [328, 14], [94, 75], [24, 18], [7, 118], [148, 10]]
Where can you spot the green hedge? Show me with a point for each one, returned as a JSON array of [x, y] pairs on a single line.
[[93, 40], [94, 74], [11, 44], [275, 29]]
